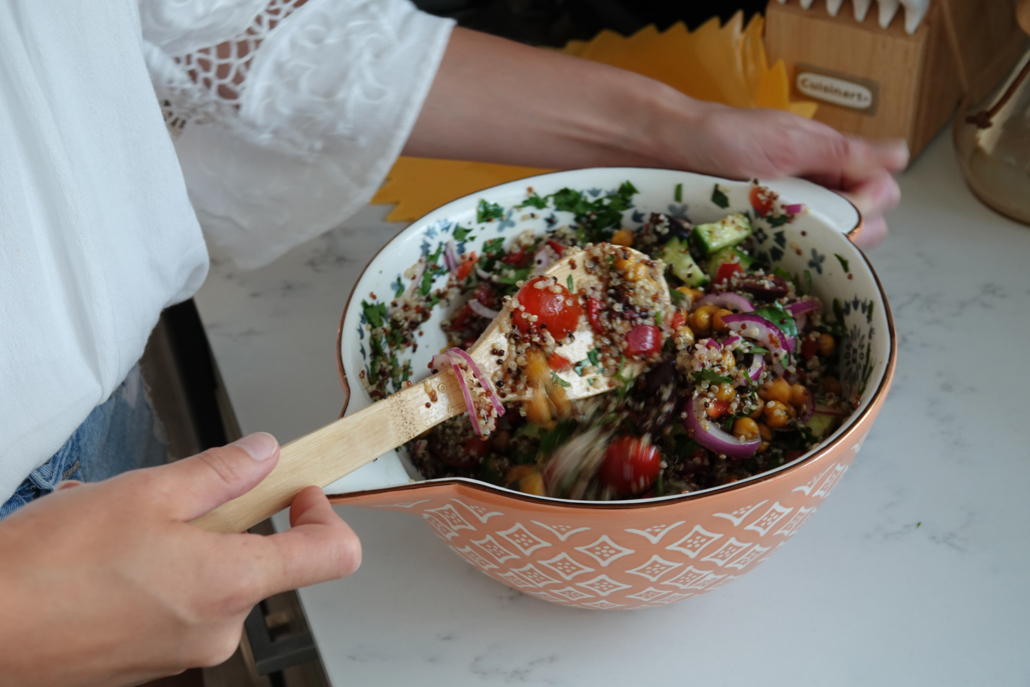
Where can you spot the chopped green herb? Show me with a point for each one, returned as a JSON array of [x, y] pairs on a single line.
[[678, 195], [842, 261], [808, 283], [719, 198], [592, 357], [533, 201], [558, 380], [398, 288], [488, 211], [919, 524], [571, 284], [777, 220], [427, 282], [659, 485], [782, 273], [728, 425], [677, 296], [780, 317], [461, 233], [375, 313], [759, 350], [580, 367], [493, 245], [658, 318], [707, 375]]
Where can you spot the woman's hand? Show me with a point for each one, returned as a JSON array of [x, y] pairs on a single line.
[[498, 101], [109, 584], [744, 144]]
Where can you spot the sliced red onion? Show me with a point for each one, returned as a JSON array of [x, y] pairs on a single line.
[[482, 310], [756, 327], [804, 306], [440, 361], [483, 381], [468, 398], [794, 209], [542, 259], [730, 340], [800, 309], [450, 256], [712, 437], [732, 301], [757, 367], [416, 281]]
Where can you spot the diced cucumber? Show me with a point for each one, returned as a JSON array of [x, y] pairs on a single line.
[[729, 231], [820, 425], [677, 256], [728, 255]]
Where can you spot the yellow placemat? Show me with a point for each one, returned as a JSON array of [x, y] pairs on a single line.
[[725, 64]]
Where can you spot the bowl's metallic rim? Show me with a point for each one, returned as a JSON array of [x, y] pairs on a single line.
[[538, 501]]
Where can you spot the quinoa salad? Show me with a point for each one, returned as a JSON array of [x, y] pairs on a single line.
[[740, 364]]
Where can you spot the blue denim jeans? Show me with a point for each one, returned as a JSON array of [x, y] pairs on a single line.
[[120, 434]]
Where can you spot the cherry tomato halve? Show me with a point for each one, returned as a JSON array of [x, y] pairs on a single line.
[[557, 313], [678, 320], [558, 363], [465, 269], [643, 340], [727, 270], [762, 200], [630, 466]]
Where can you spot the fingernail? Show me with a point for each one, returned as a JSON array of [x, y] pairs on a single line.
[[67, 484], [259, 446]]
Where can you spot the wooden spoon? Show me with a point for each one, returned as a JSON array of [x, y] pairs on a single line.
[[327, 454]]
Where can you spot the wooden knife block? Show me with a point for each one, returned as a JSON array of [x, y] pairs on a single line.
[[883, 82]]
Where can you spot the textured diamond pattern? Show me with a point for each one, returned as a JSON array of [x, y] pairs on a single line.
[[635, 559]]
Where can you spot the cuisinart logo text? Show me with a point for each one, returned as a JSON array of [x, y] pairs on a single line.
[[832, 88]]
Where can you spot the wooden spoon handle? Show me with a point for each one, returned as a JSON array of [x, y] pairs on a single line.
[[327, 454]]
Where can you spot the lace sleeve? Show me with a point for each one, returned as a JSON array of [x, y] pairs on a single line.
[[287, 114]]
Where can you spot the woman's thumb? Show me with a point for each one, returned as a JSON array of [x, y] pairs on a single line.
[[209, 479]]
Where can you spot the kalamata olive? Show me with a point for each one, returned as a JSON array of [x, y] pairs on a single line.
[[767, 288]]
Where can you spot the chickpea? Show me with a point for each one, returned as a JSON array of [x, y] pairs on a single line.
[[775, 390], [533, 483], [776, 415], [764, 431], [685, 336], [517, 473], [623, 237], [763, 447], [826, 345], [500, 440], [728, 361], [717, 323], [831, 386], [799, 396], [560, 400], [537, 410], [746, 428], [791, 411], [536, 369], [725, 392], [631, 270], [759, 411], [692, 294], [701, 319]]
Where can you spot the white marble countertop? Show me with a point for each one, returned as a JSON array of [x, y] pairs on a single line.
[[913, 573]]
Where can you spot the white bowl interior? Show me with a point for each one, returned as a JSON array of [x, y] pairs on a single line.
[[814, 241]]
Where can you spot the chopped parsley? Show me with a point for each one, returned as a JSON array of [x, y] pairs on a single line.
[[461, 233], [375, 313], [533, 201], [592, 357], [558, 380], [488, 211], [678, 195], [571, 284], [493, 245], [842, 261], [597, 219], [782, 273], [677, 296], [707, 375]]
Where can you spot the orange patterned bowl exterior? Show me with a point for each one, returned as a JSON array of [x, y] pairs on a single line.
[[643, 553]]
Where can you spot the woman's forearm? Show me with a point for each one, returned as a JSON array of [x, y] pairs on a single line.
[[494, 100]]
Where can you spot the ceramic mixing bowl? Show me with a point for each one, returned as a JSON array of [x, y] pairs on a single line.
[[632, 554]]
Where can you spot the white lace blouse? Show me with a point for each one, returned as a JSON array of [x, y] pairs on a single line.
[[285, 116]]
